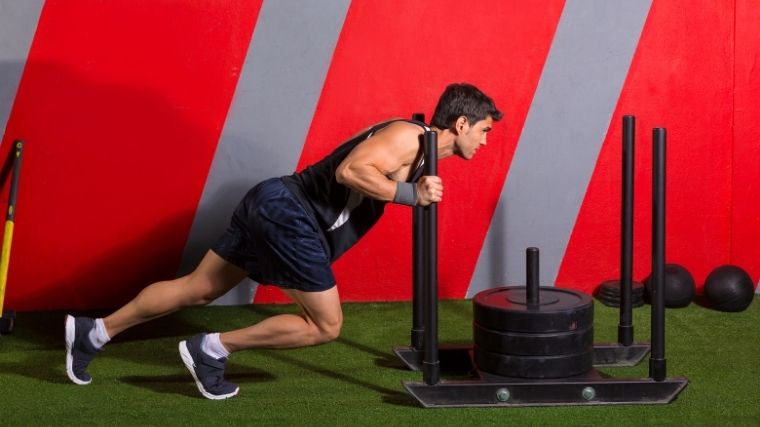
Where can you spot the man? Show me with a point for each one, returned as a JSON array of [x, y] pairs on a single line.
[[287, 231]]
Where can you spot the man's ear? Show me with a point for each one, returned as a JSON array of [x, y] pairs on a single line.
[[460, 124]]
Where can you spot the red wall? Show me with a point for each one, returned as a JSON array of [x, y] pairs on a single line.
[[122, 107], [745, 202], [681, 78]]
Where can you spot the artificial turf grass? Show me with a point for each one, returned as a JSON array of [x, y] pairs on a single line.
[[139, 379]]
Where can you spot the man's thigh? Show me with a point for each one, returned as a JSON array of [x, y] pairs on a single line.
[[323, 308]]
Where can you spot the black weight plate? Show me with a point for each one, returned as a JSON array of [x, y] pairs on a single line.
[[617, 295], [613, 287], [610, 303], [615, 302], [533, 366], [634, 300], [525, 344], [504, 309], [614, 298]]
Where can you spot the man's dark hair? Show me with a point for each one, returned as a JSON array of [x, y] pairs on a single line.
[[463, 99]]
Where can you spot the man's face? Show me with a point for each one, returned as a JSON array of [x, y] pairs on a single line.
[[472, 137]]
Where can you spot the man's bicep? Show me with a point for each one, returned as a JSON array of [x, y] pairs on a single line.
[[381, 153]]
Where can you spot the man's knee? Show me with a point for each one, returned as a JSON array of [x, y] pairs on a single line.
[[205, 298], [213, 277], [326, 331], [322, 312], [332, 332], [200, 290]]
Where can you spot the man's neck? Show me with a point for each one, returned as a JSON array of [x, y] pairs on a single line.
[[445, 142]]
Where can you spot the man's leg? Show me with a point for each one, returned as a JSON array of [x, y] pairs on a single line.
[[319, 322], [204, 355], [212, 278]]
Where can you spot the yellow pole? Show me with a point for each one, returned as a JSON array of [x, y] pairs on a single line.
[[5, 254], [5, 257]]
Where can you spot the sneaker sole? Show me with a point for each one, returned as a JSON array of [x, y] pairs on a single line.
[[70, 334], [187, 359]]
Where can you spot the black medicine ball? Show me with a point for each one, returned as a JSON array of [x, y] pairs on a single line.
[[679, 286], [729, 288]]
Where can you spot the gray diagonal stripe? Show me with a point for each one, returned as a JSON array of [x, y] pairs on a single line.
[[274, 103], [561, 139], [18, 22]]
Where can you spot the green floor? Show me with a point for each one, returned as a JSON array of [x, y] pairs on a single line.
[[139, 379]]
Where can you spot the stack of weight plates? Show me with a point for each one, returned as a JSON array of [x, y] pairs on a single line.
[[553, 339], [609, 294]]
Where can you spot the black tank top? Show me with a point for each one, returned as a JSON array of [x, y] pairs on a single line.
[[343, 215]]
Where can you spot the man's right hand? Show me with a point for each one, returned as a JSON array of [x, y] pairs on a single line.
[[429, 190]]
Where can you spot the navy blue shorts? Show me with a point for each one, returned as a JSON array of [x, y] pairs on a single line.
[[274, 238]]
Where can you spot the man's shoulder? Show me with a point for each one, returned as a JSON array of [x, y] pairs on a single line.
[[405, 123], [401, 128]]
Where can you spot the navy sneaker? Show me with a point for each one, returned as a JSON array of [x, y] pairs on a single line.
[[207, 371], [79, 349]]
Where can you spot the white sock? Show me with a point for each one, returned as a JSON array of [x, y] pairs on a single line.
[[98, 335], [213, 346]]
